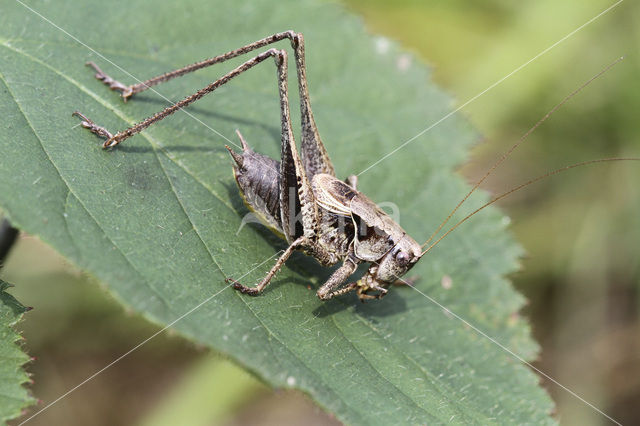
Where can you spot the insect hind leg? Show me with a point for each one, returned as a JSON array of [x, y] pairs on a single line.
[[314, 154], [129, 90], [116, 139]]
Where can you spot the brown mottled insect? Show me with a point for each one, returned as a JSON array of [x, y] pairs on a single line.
[[300, 197]]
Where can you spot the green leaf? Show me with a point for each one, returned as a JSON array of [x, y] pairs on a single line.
[[14, 397], [156, 219]]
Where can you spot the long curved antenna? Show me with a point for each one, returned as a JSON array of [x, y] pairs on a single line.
[[518, 143], [529, 182]]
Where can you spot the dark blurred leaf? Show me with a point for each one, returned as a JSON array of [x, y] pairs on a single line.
[[14, 397], [8, 236], [156, 219]]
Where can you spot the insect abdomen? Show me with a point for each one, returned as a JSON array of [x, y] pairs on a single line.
[[258, 178]]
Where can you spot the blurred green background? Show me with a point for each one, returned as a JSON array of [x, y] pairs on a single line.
[[581, 229]]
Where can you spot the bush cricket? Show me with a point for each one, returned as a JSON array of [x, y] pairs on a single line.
[[300, 197]]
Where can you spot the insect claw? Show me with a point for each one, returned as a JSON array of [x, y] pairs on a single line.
[[231, 280], [363, 293], [87, 123], [382, 293], [110, 143], [365, 296], [82, 116], [126, 91], [251, 291]]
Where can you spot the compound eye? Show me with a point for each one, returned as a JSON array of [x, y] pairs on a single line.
[[402, 258]]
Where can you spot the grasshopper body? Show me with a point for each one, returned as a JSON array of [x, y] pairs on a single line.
[[298, 197], [346, 225]]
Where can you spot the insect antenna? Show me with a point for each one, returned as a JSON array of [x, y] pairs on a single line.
[[527, 183], [506, 154]]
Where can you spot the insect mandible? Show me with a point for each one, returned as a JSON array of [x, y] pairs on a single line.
[[300, 197]]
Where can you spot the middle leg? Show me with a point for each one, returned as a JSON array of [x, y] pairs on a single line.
[[254, 291], [331, 288]]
